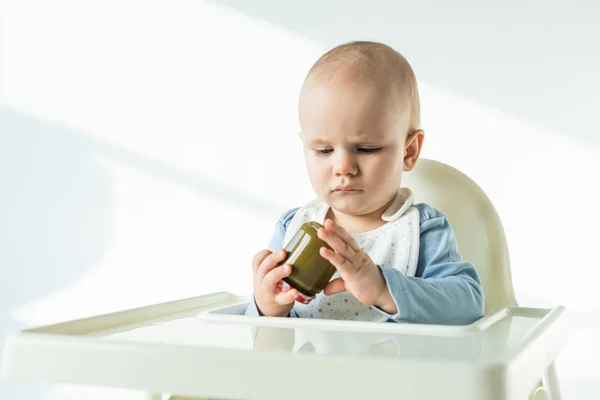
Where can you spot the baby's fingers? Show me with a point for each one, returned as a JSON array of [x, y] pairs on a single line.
[[269, 263], [274, 276], [335, 286], [287, 297]]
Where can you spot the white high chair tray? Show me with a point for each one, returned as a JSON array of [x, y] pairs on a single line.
[[200, 347]]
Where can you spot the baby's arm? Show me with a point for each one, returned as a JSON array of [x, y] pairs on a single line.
[[275, 244], [446, 290]]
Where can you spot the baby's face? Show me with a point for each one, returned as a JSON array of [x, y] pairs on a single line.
[[353, 138]]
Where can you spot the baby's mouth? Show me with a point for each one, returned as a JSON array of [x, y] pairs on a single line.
[[347, 189]]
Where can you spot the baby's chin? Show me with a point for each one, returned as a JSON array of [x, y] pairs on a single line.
[[350, 204]]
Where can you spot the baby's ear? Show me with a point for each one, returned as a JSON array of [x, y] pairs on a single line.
[[412, 149]]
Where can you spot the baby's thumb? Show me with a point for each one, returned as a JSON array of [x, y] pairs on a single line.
[[335, 286]]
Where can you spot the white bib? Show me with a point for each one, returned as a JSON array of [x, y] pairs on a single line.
[[393, 245]]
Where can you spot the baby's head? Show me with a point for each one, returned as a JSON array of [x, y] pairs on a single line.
[[360, 118]]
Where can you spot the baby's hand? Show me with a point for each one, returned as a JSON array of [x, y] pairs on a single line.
[[359, 274], [269, 301]]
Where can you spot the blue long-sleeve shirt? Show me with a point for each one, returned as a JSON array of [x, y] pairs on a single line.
[[445, 289]]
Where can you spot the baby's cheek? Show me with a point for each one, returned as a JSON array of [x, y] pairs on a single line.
[[379, 177], [316, 172]]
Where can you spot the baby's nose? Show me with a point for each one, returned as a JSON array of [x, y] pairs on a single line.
[[345, 165]]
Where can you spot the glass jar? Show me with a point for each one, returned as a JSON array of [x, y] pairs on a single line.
[[310, 271]]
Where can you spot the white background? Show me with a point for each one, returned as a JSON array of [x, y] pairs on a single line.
[[148, 147]]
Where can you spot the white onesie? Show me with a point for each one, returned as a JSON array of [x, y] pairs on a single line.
[[393, 245]]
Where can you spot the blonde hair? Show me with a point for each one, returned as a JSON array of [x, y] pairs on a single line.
[[367, 61]]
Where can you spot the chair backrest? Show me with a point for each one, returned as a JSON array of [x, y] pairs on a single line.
[[476, 224]]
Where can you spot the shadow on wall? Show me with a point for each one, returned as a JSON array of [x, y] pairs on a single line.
[[55, 215], [55, 208], [55, 205], [537, 61]]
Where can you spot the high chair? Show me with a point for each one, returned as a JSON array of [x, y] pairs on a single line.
[[480, 237], [205, 346]]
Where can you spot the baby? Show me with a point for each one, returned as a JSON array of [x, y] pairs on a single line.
[[396, 261]]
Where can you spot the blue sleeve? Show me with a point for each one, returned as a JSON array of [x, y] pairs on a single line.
[[445, 289], [275, 244]]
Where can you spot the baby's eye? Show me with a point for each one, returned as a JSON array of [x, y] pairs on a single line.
[[368, 150], [323, 151]]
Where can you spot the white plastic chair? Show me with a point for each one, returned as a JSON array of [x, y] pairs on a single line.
[[479, 234]]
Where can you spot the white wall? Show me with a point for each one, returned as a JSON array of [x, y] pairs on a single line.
[[139, 141]]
